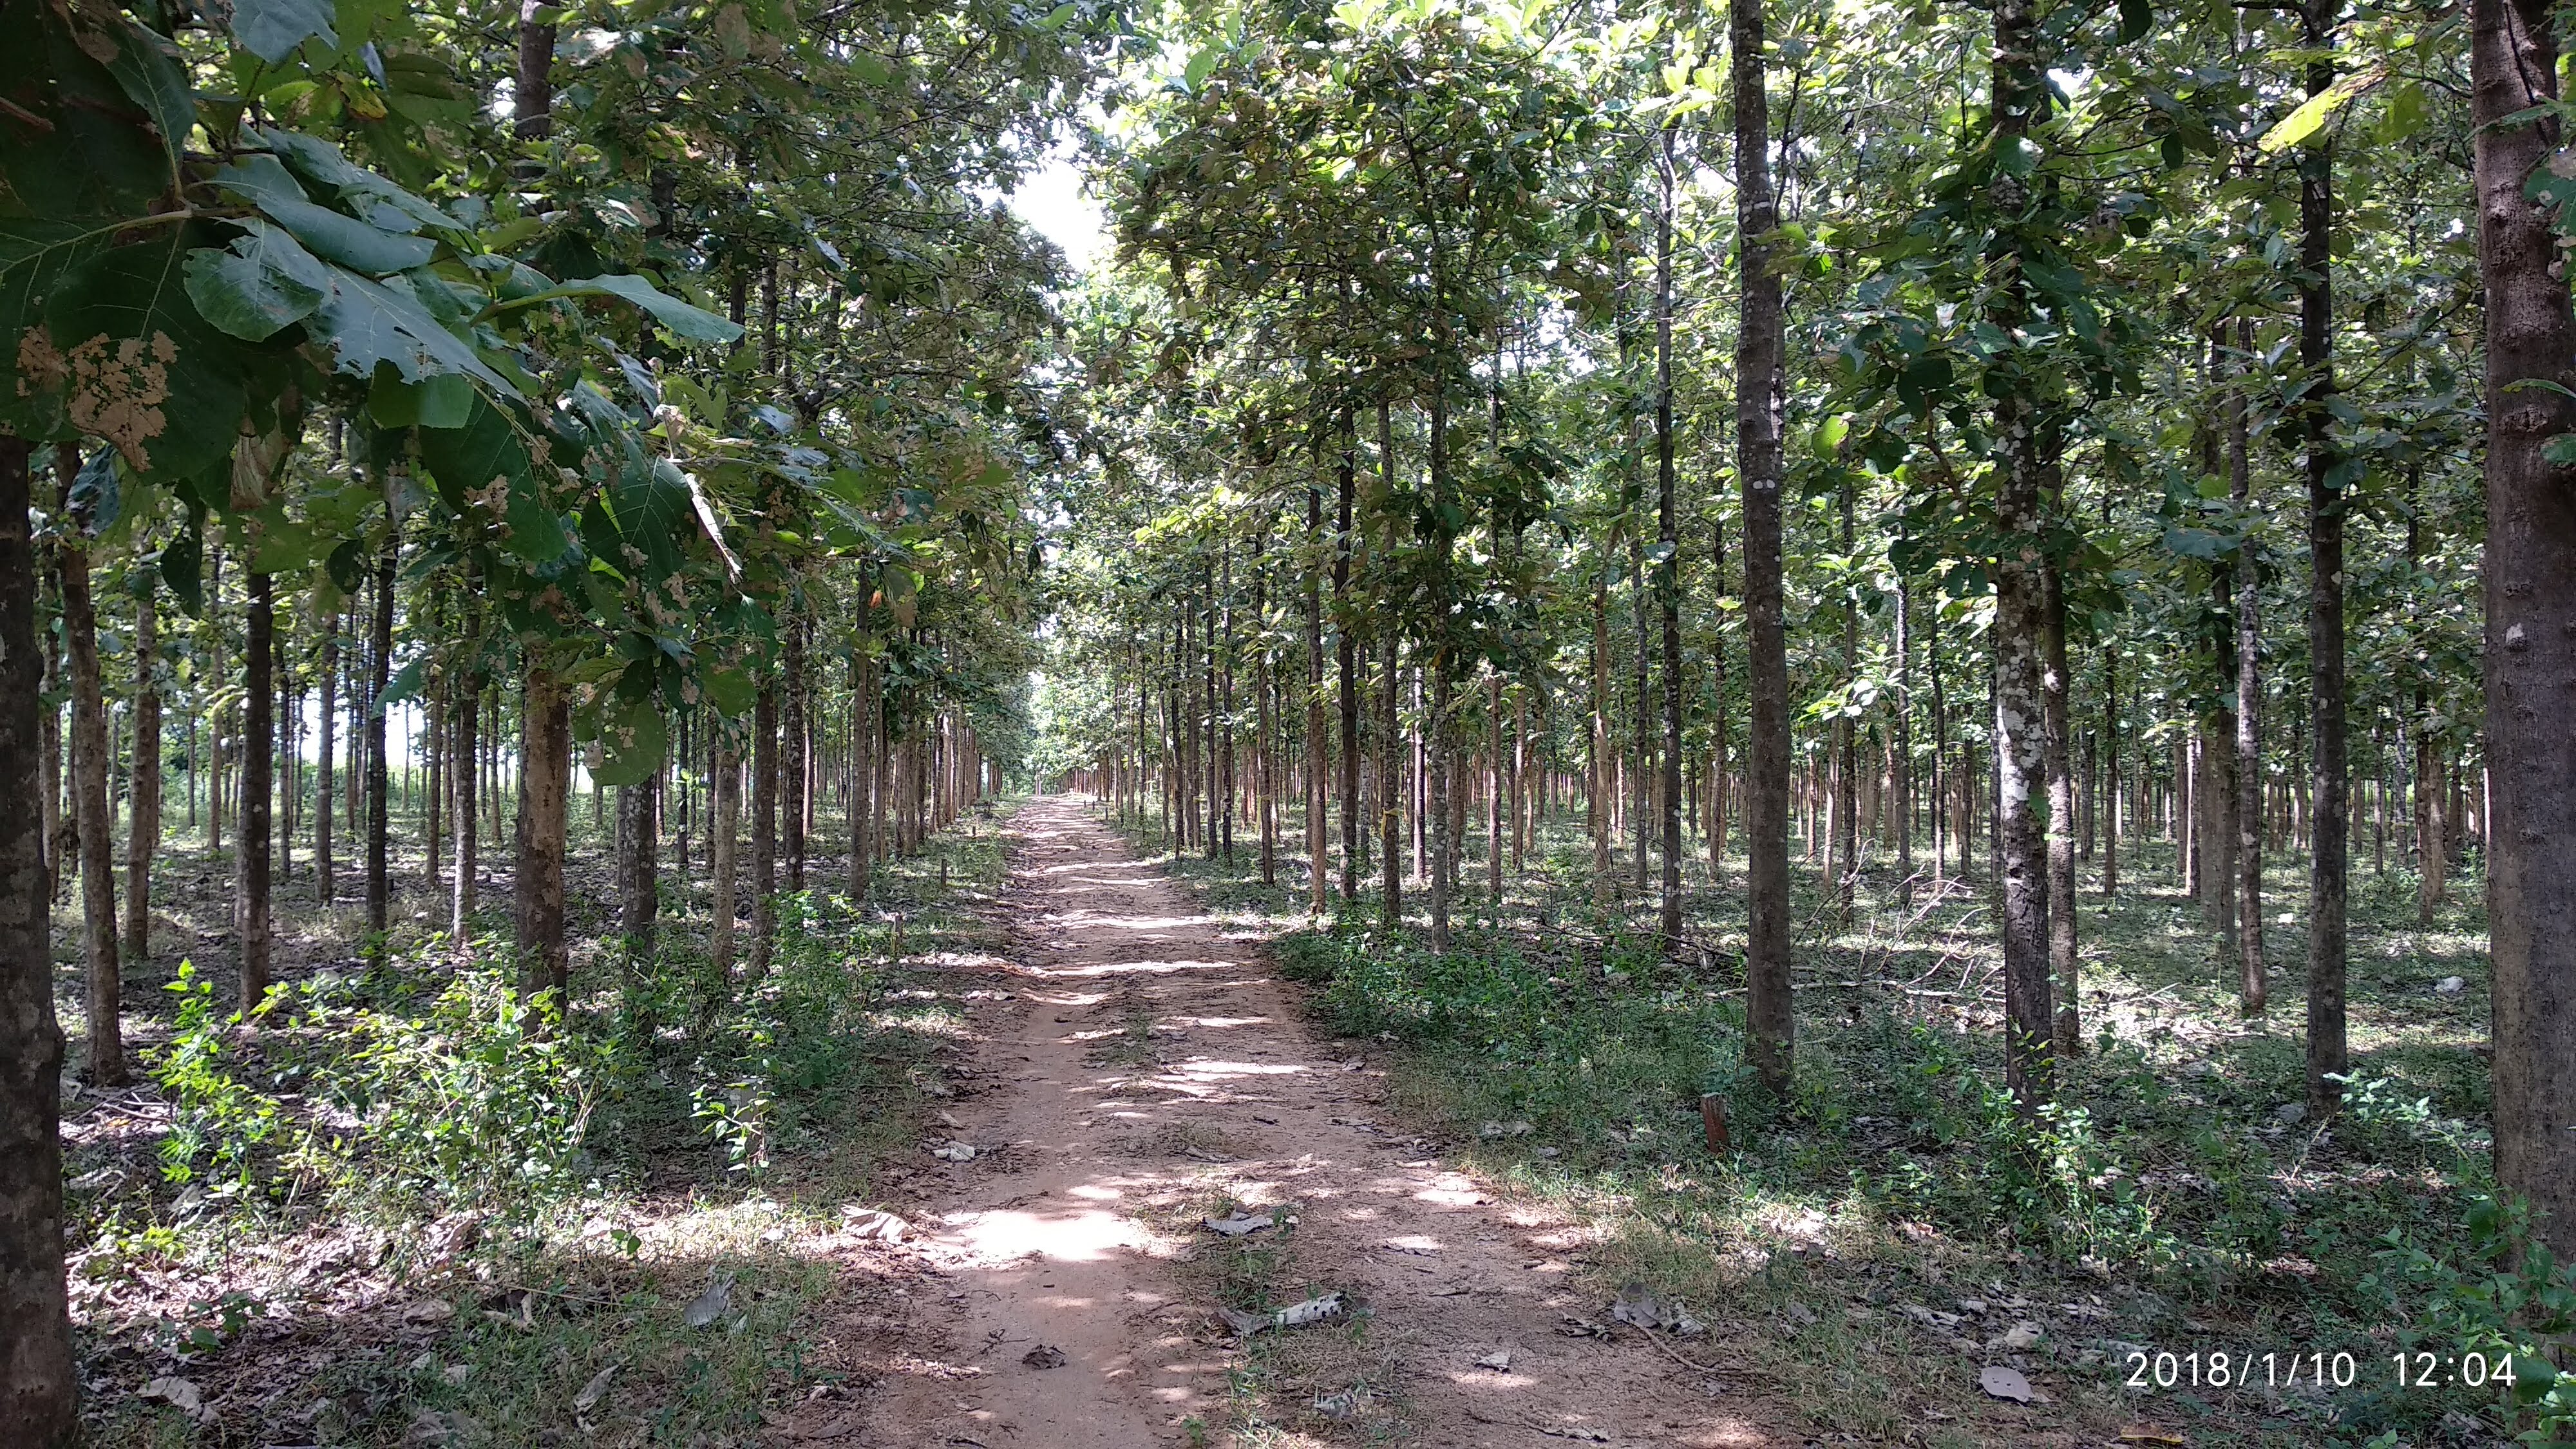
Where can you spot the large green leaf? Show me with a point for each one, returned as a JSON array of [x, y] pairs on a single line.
[[75, 149], [632, 742], [445, 401], [264, 283], [148, 69], [369, 324], [137, 366], [271, 29], [321, 164], [488, 459], [695, 324], [345, 239]]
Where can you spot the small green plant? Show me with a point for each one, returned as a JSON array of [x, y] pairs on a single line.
[[2512, 1304], [223, 1124]]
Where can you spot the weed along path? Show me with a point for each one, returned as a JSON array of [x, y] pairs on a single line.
[[1138, 1071]]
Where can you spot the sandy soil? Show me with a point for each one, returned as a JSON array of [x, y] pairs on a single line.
[[1137, 1065]]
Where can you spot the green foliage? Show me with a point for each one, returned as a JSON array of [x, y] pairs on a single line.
[[2506, 1298]]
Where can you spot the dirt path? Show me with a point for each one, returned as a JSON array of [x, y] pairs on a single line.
[[1139, 1066]]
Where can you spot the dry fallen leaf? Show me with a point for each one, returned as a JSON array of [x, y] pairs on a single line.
[[178, 1393], [2149, 1434], [1044, 1356], [591, 1391], [2006, 1383], [1500, 1361], [2022, 1334]]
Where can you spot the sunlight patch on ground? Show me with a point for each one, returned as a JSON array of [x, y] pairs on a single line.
[[1081, 1236]]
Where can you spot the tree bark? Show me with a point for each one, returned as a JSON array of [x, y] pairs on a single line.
[[2329, 762], [325, 869], [1318, 864], [380, 648], [39, 1387], [2530, 576], [94, 840], [792, 768], [2252, 979], [143, 832], [721, 862], [545, 802], [2021, 617], [1346, 658], [1769, 1021], [764, 824], [639, 897], [2064, 959], [1668, 587], [250, 852], [91, 824], [467, 711]]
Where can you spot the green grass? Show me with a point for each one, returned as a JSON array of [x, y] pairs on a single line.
[[363, 1287], [2174, 1197]]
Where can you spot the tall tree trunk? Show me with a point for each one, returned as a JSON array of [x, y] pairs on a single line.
[[1769, 1023], [1903, 781], [467, 712], [2252, 980], [58, 843], [2063, 959], [143, 832], [250, 852], [721, 866], [2021, 618], [325, 870], [764, 825], [2329, 762], [545, 803], [94, 846], [39, 1387], [2530, 575], [863, 771], [1318, 863], [1390, 795], [1718, 720], [1598, 790], [532, 97], [1668, 586], [1843, 849], [1346, 656], [791, 771], [2113, 812], [380, 648], [639, 897]]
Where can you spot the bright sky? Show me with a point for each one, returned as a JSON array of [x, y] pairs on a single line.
[[1051, 200]]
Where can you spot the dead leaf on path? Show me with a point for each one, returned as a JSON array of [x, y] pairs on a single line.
[[1641, 1307], [955, 1152], [1500, 1361], [178, 1393], [1044, 1356], [2008, 1383], [429, 1310], [1240, 1224], [1586, 1436], [2149, 1434], [875, 1223], [1343, 1407], [2022, 1334], [590, 1392]]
